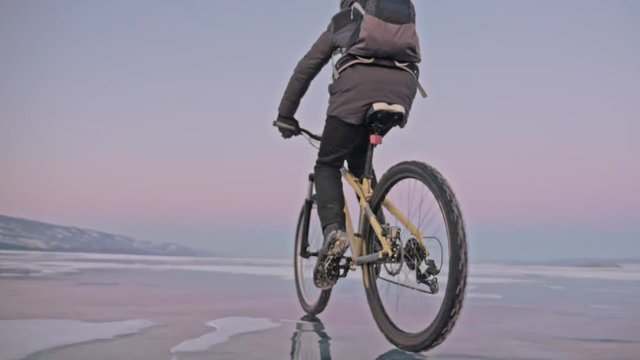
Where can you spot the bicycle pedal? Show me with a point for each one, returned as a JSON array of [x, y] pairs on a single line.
[[324, 276], [344, 269]]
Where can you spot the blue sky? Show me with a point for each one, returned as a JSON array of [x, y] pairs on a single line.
[[152, 119]]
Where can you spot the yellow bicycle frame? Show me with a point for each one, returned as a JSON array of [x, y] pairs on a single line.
[[364, 191]]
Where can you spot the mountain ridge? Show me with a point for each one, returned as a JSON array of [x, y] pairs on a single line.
[[27, 234]]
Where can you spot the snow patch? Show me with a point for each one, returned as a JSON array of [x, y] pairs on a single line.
[[483, 296], [225, 328], [21, 338], [496, 280], [556, 287]]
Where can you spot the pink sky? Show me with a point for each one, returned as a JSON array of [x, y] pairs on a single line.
[[152, 118]]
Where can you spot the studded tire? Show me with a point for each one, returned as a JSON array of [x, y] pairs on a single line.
[[311, 304], [445, 319]]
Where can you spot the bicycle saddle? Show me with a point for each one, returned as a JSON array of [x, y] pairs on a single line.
[[381, 117]]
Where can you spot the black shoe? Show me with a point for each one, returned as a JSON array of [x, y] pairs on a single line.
[[335, 244]]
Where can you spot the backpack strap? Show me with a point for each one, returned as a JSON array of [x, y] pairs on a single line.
[[407, 67], [357, 6], [349, 60]]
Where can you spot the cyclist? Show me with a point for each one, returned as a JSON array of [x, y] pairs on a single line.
[[345, 137]]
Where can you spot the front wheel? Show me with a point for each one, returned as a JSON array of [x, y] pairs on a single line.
[[309, 240], [414, 311]]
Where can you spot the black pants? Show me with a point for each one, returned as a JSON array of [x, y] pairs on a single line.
[[340, 141]]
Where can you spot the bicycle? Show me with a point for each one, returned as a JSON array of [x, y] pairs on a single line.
[[393, 247]]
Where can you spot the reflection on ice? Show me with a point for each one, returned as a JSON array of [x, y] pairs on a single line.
[[310, 341], [20, 338], [397, 354]]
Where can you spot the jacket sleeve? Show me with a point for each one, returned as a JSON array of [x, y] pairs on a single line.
[[306, 70]]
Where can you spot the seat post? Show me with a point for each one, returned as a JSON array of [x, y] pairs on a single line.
[[368, 165]]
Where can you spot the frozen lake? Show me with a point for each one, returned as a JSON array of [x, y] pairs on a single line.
[[87, 306]]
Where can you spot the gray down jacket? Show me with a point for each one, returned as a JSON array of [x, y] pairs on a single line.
[[357, 87]]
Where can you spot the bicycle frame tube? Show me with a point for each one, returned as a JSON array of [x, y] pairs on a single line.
[[364, 192], [417, 233], [356, 239], [308, 204]]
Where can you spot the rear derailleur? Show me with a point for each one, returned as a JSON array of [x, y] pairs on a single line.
[[414, 255], [428, 277]]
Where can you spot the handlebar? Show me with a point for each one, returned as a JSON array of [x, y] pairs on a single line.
[[298, 130]]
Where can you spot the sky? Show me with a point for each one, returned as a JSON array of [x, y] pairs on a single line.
[[153, 119]]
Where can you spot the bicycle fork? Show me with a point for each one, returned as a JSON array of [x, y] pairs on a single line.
[[308, 204]]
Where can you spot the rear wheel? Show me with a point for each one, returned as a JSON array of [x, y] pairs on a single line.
[[414, 311], [309, 240]]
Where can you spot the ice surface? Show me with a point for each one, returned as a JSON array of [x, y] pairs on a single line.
[[496, 280], [225, 328], [532, 312], [20, 338], [598, 306], [13, 263], [626, 272], [46, 263]]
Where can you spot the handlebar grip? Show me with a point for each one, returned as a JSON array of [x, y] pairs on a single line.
[[284, 126], [296, 130]]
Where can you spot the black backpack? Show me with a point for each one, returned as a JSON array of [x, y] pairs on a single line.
[[384, 29], [377, 32]]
